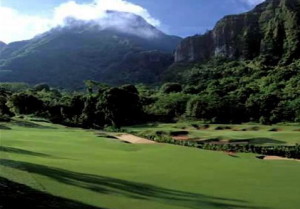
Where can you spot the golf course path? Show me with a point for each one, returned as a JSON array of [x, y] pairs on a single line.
[[134, 139]]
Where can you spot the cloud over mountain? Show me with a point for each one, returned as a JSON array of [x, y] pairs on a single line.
[[14, 25]]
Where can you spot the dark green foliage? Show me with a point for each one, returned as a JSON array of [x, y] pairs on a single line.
[[167, 107], [204, 107], [217, 92], [168, 88], [5, 113], [73, 109], [24, 103], [120, 106], [14, 87], [41, 87], [90, 117], [103, 106], [130, 89], [237, 91], [216, 109]]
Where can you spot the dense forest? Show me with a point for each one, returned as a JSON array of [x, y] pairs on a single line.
[[216, 92]]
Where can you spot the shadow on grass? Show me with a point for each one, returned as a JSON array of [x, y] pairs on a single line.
[[28, 124], [16, 196], [103, 135], [148, 125], [252, 141], [113, 186], [2, 127], [259, 140], [234, 156], [22, 152]]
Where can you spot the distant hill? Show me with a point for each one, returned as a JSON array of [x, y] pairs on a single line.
[[123, 48], [2, 44], [270, 32]]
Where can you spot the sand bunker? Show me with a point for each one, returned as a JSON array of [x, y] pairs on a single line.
[[134, 139], [279, 158], [181, 138]]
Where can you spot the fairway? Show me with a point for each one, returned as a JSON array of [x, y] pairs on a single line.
[[78, 165]]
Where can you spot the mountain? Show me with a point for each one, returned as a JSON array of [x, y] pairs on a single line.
[[119, 48], [270, 32], [2, 45]]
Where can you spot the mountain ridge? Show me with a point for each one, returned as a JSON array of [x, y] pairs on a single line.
[[123, 48], [270, 31], [87, 50], [2, 45]]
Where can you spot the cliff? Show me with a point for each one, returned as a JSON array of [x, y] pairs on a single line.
[[271, 31]]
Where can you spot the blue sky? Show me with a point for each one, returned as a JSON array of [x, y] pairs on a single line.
[[176, 17]]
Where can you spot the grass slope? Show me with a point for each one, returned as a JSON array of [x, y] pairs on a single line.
[[77, 165], [14, 195]]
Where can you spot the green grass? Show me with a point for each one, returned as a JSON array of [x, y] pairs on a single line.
[[285, 134], [77, 165]]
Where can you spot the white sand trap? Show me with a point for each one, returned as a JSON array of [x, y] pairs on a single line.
[[279, 158], [134, 139]]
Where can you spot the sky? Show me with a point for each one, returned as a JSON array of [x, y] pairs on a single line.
[[23, 19]]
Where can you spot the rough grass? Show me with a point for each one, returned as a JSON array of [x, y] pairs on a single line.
[[254, 134], [78, 165]]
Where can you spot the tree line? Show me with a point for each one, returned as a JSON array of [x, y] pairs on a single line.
[[216, 92]]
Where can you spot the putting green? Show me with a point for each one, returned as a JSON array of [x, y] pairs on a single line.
[[106, 173]]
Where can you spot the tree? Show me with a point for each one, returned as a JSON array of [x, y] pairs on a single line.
[[168, 88], [206, 107], [90, 117], [120, 106], [24, 103], [262, 107], [93, 86], [168, 107], [5, 113], [73, 108], [41, 87]]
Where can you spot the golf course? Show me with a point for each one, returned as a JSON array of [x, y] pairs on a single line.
[[150, 104], [92, 169]]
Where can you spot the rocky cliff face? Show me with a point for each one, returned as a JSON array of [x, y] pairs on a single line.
[[270, 31]]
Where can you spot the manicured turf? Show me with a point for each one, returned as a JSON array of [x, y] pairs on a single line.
[[77, 165], [255, 134]]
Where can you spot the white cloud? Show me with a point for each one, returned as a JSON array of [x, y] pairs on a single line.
[[97, 10], [16, 26]]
